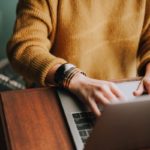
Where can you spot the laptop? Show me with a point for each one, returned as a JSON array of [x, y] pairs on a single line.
[[123, 125]]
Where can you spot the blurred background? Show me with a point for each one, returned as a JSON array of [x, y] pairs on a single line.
[[7, 18], [9, 80]]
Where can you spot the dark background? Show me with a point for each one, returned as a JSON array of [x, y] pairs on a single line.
[[9, 80], [7, 18]]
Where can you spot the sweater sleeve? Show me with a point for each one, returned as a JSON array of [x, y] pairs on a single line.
[[29, 47], [144, 46]]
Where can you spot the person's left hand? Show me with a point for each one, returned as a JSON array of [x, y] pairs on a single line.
[[144, 86]]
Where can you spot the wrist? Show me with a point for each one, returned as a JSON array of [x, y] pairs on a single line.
[[77, 81], [62, 74]]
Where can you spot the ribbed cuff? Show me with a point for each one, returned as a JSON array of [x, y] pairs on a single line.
[[47, 67], [35, 64]]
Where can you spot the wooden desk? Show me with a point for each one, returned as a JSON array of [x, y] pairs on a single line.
[[33, 120]]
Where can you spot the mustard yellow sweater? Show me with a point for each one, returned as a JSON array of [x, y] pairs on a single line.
[[107, 39]]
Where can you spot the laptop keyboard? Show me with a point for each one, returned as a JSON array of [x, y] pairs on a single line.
[[84, 122]]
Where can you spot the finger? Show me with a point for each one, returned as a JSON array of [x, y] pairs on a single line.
[[140, 89], [94, 108], [117, 92], [146, 84], [100, 98], [109, 95]]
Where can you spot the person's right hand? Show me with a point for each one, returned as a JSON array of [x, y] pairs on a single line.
[[93, 92]]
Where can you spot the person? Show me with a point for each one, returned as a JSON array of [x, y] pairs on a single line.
[[58, 42]]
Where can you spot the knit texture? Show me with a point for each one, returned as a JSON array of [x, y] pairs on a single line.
[[106, 39]]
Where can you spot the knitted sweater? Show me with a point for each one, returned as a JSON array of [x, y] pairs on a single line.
[[106, 39]]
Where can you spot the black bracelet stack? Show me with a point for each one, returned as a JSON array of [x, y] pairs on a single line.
[[65, 73]]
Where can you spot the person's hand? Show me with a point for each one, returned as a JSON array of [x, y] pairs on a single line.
[[144, 86], [93, 92]]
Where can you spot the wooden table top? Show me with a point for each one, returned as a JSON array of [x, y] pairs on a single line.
[[33, 120]]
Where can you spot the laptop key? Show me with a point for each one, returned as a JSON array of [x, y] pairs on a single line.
[[84, 122], [84, 115], [83, 133], [84, 139], [84, 126], [76, 115]]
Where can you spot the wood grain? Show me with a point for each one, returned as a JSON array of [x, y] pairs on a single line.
[[34, 121]]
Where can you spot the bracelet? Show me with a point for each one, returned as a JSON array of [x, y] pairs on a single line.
[[61, 72], [68, 78], [65, 73]]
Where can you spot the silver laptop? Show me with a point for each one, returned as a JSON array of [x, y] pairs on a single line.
[[123, 125]]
